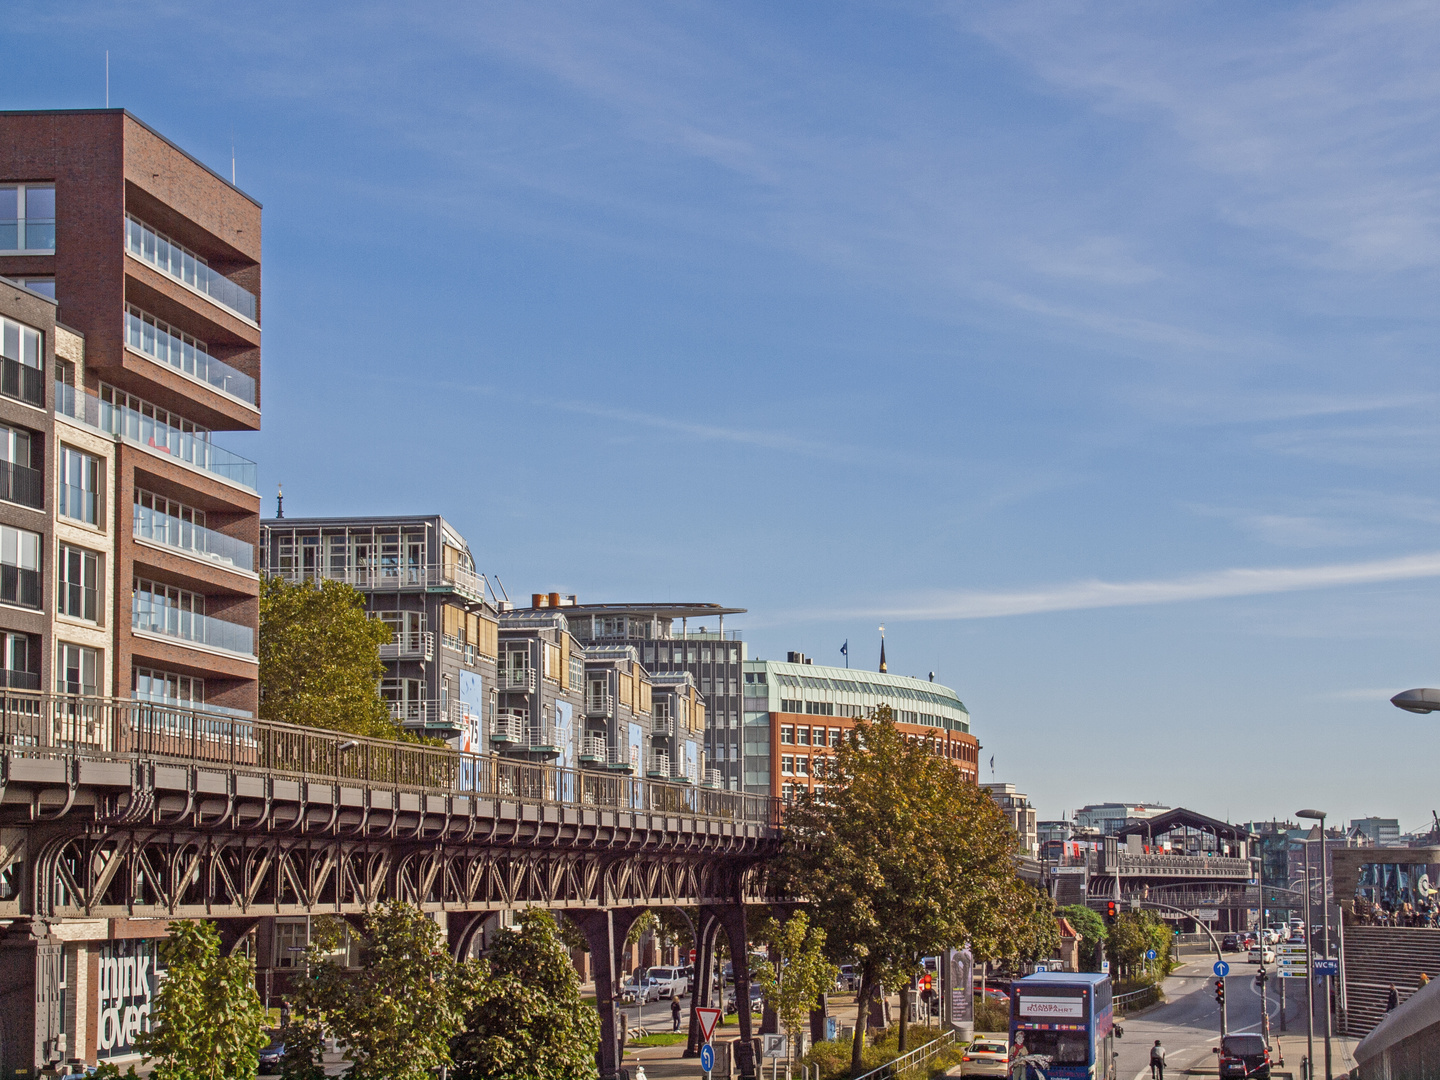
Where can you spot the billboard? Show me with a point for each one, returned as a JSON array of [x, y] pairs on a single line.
[[472, 712]]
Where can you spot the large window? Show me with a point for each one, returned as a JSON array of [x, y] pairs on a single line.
[[20, 481], [77, 669], [78, 572], [27, 217], [158, 339], [183, 264], [22, 367], [167, 688], [20, 656], [80, 485], [165, 521], [165, 609], [19, 566]]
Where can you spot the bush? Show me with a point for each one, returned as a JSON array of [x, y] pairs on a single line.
[[991, 1015], [833, 1058]]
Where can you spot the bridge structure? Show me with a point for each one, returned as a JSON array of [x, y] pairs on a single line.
[[117, 816]]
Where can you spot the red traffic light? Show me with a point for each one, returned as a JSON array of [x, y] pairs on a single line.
[[1111, 909], [1220, 991]]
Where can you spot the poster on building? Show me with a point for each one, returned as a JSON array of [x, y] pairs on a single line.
[[692, 761], [637, 746], [961, 966], [472, 711], [565, 737], [127, 981]]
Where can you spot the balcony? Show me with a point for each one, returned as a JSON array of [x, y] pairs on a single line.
[[166, 345], [195, 628], [20, 680], [182, 264], [659, 765], [410, 645], [22, 382], [22, 485], [599, 704], [425, 712], [19, 586], [593, 749], [190, 448], [508, 728], [663, 726], [713, 779], [431, 578], [194, 540], [519, 680], [542, 739]]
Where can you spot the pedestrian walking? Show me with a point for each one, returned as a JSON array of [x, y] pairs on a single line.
[[1392, 999], [675, 1012], [1157, 1061]]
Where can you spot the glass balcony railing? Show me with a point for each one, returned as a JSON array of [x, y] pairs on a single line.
[[193, 448], [19, 484], [182, 264], [192, 539], [192, 626], [162, 342]]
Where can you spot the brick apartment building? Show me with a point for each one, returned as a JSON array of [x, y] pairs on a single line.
[[129, 333]]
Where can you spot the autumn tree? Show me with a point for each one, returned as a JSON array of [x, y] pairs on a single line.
[[320, 658], [397, 1012], [208, 1022], [528, 1020], [798, 971], [902, 858]]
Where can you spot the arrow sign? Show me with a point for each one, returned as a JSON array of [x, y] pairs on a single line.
[[708, 1019], [1221, 969], [707, 1057], [1149, 954]]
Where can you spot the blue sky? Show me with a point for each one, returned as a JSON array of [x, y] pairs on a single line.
[[1089, 347]]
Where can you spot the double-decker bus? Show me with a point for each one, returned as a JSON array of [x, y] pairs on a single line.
[[1063, 1025]]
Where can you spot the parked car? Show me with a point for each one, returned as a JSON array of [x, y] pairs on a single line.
[[848, 981], [637, 993], [1262, 954], [757, 999], [1244, 1056], [668, 982], [271, 1055], [1230, 943], [986, 1057]]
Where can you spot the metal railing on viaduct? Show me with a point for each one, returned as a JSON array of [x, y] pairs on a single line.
[[122, 809]]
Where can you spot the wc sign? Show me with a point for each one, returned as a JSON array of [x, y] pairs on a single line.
[[127, 981]]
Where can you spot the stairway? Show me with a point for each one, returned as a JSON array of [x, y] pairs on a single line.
[[1376, 957]]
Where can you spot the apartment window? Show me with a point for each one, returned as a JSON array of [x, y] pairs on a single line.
[[165, 609], [80, 485], [22, 367], [787, 792], [791, 706], [20, 654], [77, 670], [291, 938], [19, 566], [27, 217], [78, 574], [835, 736], [577, 670], [168, 688], [45, 286], [787, 734], [20, 481], [787, 764], [802, 736], [802, 765], [820, 708]]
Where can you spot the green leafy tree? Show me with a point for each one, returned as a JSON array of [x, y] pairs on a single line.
[[798, 972], [1091, 928], [1132, 935], [902, 859], [320, 658], [397, 1012], [528, 1020], [207, 1023]]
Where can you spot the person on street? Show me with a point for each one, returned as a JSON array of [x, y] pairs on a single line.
[[675, 1012], [1157, 1061], [1392, 999]]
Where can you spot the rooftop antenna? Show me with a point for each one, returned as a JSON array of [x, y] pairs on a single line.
[[107, 78], [232, 156], [279, 502]]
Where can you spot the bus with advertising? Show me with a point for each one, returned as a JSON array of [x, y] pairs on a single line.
[[1062, 1025]]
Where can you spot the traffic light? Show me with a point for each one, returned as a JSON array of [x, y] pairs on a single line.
[[1220, 991], [1260, 977], [1111, 910]]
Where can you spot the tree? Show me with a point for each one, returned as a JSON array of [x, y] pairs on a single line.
[[797, 974], [208, 1023], [1133, 934], [1091, 928], [901, 859], [528, 1020], [320, 658], [397, 1012]]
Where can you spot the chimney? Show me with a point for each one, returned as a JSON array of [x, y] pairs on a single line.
[[554, 599], [537, 599]]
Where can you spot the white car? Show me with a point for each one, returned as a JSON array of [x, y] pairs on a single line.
[[668, 982], [986, 1056], [1262, 955], [632, 993]]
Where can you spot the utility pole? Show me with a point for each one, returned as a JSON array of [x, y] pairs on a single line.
[[1309, 975]]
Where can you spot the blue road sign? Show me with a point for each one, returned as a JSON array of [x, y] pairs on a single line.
[[1221, 969], [1327, 967], [1150, 954], [707, 1057]]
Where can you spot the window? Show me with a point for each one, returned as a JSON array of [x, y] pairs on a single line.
[[802, 736], [787, 765], [78, 574], [802, 765], [20, 481], [45, 286], [164, 609], [20, 655], [787, 734], [27, 217], [167, 688], [820, 708], [791, 706], [290, 941], [19, 566], [184, 265], [80, 486], [77, 670], [834, 736], [22, 369], [787, 792]]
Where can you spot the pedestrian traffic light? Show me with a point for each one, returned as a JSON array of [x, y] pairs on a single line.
[[1111, 909], [1261, 976], [1220, 991]]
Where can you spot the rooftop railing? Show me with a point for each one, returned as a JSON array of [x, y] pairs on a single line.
[[391, 577]]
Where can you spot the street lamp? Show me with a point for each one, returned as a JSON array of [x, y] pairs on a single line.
[[1319, 815], [1423, 700]]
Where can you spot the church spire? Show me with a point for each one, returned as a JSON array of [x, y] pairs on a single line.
[[883, 668]]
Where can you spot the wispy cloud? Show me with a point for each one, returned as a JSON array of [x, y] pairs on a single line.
[[1221, 584]]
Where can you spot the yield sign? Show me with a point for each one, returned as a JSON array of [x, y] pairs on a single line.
[[708, 1019]]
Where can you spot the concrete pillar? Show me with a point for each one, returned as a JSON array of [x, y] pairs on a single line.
[[31, 1000]]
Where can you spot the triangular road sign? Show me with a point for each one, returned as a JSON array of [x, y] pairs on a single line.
[[708, 1019]]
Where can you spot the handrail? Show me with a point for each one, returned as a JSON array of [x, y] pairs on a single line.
[[915, 1057], [58, 725]]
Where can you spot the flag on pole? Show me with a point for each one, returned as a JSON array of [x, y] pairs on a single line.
[[992, 762], [845, 649]]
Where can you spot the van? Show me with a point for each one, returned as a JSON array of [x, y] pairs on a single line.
[[668, 982]]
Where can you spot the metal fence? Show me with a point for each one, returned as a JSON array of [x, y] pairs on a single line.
[[53, 725], [912, 1064]]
